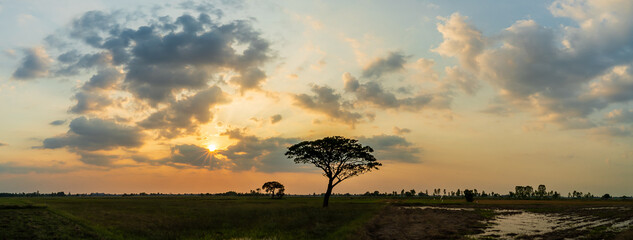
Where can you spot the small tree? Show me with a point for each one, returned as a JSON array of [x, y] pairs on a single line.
[[470, 195], [541, 191], [340, 158], [271, 187]]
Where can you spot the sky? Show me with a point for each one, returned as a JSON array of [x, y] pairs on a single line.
[[206, 96]]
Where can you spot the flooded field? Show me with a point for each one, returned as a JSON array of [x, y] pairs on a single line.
[[544, 223], [513, 224]]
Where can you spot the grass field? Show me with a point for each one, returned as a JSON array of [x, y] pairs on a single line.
[[217, 217], [184, 217]]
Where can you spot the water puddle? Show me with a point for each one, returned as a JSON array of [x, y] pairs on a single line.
[[509, 224], [442, 208]]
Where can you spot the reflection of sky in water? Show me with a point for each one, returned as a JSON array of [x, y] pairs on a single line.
[[516, 222], [530, 224]]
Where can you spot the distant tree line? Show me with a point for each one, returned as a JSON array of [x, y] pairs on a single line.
[[520, 192], [527, 192]]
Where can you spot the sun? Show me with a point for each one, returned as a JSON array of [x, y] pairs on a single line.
[[211, 147]]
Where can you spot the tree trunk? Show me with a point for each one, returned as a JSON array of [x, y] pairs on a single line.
[[328, 193], [273, 194]]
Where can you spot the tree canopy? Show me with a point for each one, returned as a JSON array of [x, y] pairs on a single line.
[[340, 158], [271, 187]]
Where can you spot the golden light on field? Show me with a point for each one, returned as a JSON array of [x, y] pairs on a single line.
[[211, 147]]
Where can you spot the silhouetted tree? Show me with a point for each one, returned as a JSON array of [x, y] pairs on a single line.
[[606, 196], [523, 191], [340, 158], [271, 187], [469, 195], [541, 191]]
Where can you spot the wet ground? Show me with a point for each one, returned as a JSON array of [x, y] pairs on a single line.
[[548, 220], [514, 224]]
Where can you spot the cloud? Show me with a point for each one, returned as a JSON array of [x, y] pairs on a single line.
[[96, 159], [90, 102], [275, 118], [401, 131], [96, 134], [57, 122], [73, 63], [261, 154], [164, 63], [164, 57], [620, 116], [15, 168], [461, 40], [3, 144], [609, 131], [392, 148], [376, 95], [392, 63], [35, 63], [614, 86], [561, 75], [463, 80], [186, 115], [188, 155], [326, 101], [105, 79]]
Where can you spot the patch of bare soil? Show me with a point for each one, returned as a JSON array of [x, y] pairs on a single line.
[[413, 223]]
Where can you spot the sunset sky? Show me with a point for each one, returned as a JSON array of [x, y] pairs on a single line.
[[129, 96]]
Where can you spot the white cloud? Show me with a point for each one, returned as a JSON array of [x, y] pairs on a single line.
[[561, 76]]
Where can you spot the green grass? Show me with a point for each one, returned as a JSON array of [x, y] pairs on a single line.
[[203, 217]]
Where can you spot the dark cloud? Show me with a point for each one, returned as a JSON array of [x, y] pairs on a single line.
[[73, 63], [96, 134], [57, 122], [188, 155], [373, 93], [392, 63], [246, 154], [164, 63], [158, 84], [326, 101], [186, 115], [90, 102], [251, 153], [104, 79], [260, 154], [401, 131], [92, 26], [3, 144], [392, 148], [165, 56], [35, 63], [96, 159], [93, 95], [275, 118]]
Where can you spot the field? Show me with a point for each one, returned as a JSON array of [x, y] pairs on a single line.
[[217, 217]]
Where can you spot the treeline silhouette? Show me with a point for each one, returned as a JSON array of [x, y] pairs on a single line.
[[520, 192]]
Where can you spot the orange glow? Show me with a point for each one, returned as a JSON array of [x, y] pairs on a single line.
[[211, 147]]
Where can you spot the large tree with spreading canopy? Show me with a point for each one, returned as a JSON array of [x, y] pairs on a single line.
[[340, 158]]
